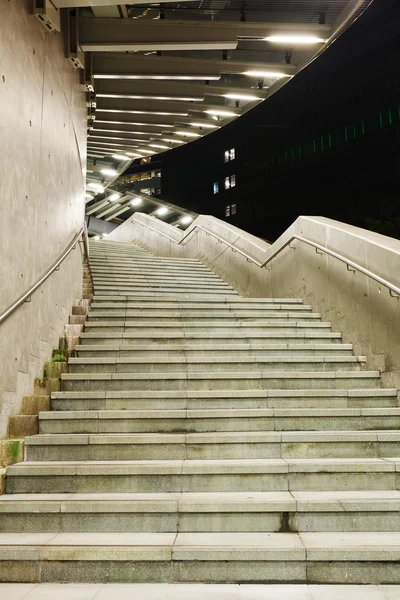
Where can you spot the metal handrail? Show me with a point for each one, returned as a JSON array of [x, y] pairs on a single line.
[[26, 297], [393, 289]]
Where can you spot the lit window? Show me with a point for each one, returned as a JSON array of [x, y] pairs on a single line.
[[232, 153], [233, 209], [233, 180], [227, 155], [227, 211], [227, 183], [216, 187]]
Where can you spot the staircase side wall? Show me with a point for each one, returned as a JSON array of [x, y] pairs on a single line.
[[42, 169]]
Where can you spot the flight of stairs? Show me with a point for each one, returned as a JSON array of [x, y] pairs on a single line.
[[205, 437]]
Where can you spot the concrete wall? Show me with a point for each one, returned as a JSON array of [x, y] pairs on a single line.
[[42, 163], [358, 307]]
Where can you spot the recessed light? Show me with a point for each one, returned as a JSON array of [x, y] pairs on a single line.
[[241, 97], [144, 112], [136, 202], [162, 210], [168, 98], [267, 74], [186, 220], [97, 187], [160, 77], [294, 39], [114, 197]]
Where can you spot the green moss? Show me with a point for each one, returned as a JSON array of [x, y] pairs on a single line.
[[14, 449]]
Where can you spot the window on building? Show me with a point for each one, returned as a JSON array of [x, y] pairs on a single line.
[[233, 181], [233, 209], [227, 155], [227, 183], [228, 210], [216, 187], [232, 153]]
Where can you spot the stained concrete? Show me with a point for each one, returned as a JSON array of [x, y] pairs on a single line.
[[42, 171]]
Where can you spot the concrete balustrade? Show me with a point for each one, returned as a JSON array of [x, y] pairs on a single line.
[[362, 309]]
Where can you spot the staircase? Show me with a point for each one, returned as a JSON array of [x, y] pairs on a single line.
[[205, 437]]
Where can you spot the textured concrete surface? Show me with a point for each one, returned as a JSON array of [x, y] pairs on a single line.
[[357, 306], [43, 138], [28, 591]]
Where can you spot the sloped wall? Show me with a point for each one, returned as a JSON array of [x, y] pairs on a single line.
[[42, 169]]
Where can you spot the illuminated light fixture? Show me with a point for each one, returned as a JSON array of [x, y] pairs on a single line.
[[109, 172], [96, 237], [136, 202], [133, 123], [215, 118], [267, 74], [114, 197], [204, 125], [221, 113], [97, 187], [162, 210], [122, 131], [169, 98], [188, 133], [159, 146], [294, 39], [120, 157], [89, 196], [241, 97], [186, 220], [144, 112], [161, 77], [134, 154], [105, 235]]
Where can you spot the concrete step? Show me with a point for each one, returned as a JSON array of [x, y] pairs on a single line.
[[177, 337], [155, 290], [320, 420], [190, 350], [169, 364], [288, 512], [246, 475], [182, 307], [225, 399], [160, 280], [357, 443], [215, 327], [182, 300], [167, 315], [220, 381], [358, 557]]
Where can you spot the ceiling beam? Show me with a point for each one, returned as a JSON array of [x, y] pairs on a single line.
[[77, 3], [124, 35], [131, 65]]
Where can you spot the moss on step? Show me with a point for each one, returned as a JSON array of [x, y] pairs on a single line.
[[11, 451]]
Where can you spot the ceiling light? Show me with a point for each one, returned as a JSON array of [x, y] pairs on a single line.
[[265, 74], [294, 39], [89, 196], [122, 131], [161, 77], [162, 210], [241, 97], [114, 197], [159, 146], [120, 157], [144, 112], [186, 220], [221, 113], [98, 138], [105, 235], [96, 237], [97, 187], [136, 202], [169, 98], [133, 123], [134, 154], [188, 133], [109, 172]]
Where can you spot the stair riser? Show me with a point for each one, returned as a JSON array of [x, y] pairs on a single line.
[[152, 307], [239, 482], [211, 354], [187, 522], [157, 292], [126, 404], [127, 425], [164, 342], [215, 367], [217, 384], [212, 451], [245, 331], [163, 316]]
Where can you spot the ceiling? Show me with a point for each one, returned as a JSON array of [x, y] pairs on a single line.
[[161, 75]]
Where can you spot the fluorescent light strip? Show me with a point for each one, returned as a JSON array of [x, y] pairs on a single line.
[[113, 144], [109, 137], [188, 133], [294, 39], [160, 77], [204, 125], [143, 112], [132, 123], [268, 74], [221, 113], [159, 146], [168, 98], [241, 97]]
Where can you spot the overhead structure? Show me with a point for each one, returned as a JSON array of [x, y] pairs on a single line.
[[160, 75]]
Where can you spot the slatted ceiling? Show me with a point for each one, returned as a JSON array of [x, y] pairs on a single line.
[[276, 11]]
